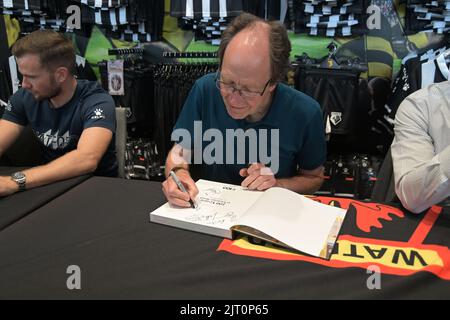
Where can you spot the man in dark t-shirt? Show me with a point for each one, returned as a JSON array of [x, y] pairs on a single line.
[[74, 120], [242, 125]]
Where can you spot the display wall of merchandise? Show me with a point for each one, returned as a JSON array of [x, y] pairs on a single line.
[[208, 19], [129, 20], [428, 16], [359, 107]]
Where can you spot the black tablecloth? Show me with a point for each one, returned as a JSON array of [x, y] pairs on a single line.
[[102, 226], [18, 205]]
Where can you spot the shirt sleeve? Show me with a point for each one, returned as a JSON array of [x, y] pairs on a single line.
[[15, 110], [99, 110], [421, 175], [184, 130], [314, 150]]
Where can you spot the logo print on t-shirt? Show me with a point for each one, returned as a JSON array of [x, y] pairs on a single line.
[[54, 141], [98, 114]]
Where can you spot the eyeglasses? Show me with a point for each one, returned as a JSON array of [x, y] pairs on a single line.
[[229, 88]]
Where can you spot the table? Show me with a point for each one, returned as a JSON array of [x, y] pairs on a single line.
[[102, 226], [18, 205]]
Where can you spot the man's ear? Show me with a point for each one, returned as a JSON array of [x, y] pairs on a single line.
[[272, 87], [61, 74]]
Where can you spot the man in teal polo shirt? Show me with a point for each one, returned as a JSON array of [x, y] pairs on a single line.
[[243, 125]]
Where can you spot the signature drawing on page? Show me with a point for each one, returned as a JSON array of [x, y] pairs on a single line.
[[211, 192], [213, 218]]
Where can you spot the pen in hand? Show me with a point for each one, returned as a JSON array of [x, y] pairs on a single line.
[[182, 188]]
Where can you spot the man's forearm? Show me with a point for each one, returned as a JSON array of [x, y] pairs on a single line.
[[301, 184], [427, 184], [176, 159], [72, 164]]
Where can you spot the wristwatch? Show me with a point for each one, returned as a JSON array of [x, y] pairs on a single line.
[[20, 179]]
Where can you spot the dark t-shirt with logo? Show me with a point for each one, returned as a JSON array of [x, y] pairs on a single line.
[[59, 130], [296, 118]]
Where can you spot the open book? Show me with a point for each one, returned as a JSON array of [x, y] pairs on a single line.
[[277, 215]]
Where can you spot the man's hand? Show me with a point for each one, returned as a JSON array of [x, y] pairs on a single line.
[[258, 177], [174, 195], [7, 186]]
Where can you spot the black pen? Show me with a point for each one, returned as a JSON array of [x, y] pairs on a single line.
[[182, 188]]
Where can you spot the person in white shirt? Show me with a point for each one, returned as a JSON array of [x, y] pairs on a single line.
[[421, 148]]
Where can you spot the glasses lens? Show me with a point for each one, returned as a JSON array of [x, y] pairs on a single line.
[[249, 94], [224, 87]]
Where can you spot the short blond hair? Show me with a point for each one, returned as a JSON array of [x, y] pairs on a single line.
[[54, 49]]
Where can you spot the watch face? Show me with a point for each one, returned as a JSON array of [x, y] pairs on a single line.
[[18, 176]]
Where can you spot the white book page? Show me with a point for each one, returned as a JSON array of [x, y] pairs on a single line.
[[219, 205], [295, 220]]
